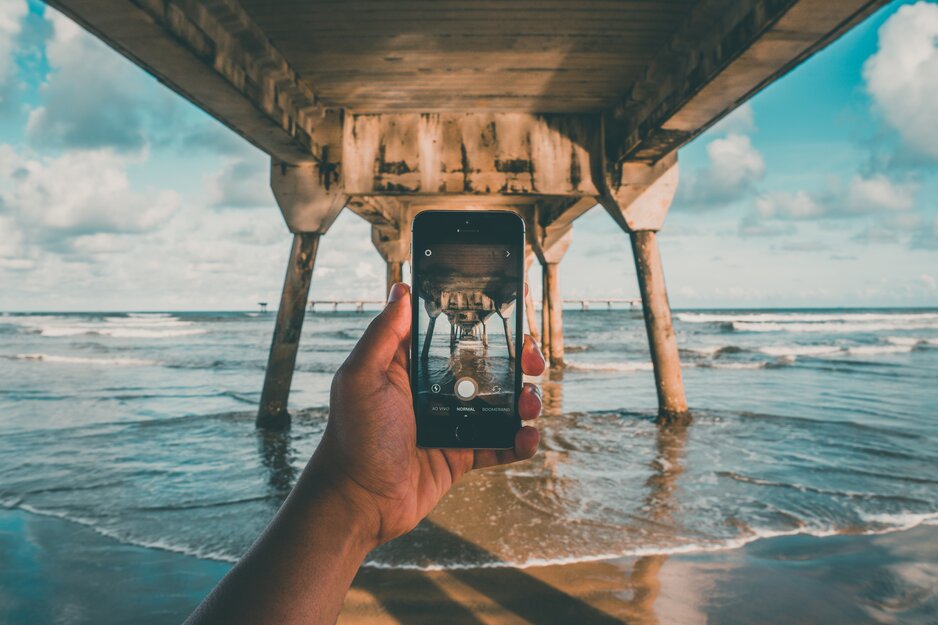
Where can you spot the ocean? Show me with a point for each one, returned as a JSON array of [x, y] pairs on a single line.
[[139, 426]]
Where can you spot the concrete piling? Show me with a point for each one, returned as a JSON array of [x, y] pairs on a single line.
[[554, 314], [395, 273], [662, 342], [272, 413], [545, 313]]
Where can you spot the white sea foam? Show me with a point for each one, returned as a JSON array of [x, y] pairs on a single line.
[[912, 341], [627, 365], [883, 524], [837, 327], [901, 520], [819, 317], [82, 360], [799, 350], [141, 326], [124, 333], [877, 350], [732, 365]]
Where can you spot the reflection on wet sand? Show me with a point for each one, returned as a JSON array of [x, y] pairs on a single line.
[[659, 503]]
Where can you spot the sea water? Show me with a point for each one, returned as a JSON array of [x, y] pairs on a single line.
[[140, 426]]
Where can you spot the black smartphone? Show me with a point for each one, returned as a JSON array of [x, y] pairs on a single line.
[[467, 298]]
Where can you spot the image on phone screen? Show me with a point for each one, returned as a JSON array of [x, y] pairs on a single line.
[[467, 300]]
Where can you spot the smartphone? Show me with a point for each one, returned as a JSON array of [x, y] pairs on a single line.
[[467, 298]]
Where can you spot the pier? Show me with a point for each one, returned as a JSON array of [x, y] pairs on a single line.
[[546, 109]]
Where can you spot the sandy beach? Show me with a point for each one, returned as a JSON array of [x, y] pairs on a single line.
[[56, 571]]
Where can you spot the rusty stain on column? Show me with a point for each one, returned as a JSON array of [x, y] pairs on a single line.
[[662, 342], [272, 413], [395, 274], [552, 286]]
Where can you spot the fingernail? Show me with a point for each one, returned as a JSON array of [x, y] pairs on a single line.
[[398, 291]]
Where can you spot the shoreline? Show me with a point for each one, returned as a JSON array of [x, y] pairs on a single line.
[[55, 570]]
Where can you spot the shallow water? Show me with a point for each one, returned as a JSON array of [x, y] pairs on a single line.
[[141, 427]]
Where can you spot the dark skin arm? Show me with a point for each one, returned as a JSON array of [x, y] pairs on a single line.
[[366, 483]]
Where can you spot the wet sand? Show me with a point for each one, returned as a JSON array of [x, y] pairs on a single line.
[[56, 571]]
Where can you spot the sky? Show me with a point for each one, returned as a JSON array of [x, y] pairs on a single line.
[[117, 194]]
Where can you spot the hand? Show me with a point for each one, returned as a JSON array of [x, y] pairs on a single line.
[[369, 450]]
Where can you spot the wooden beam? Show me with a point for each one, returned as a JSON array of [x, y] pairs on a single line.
[[724, 53], [212, 54]]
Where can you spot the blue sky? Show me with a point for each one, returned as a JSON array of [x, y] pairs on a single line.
[[116, 194]]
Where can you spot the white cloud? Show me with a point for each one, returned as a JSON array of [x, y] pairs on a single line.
[[734, 167], [788, 206], [243, 182], [94, 98], [11, 14], [863, 195], [877, 193], [78, 193], [902, 77]]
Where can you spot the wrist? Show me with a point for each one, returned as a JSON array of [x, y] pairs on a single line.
[[328, 495]]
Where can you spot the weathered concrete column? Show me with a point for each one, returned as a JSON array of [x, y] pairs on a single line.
[[393, 243], [550, 245], [395, 274], [638, 200], [545, 313], [310, 198], [554, 316], [281, 362], [661, 339], [528, 298]]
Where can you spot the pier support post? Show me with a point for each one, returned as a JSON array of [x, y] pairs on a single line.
[[393, 243], [638, 200], [281, 362], [661, 339], [545, 313], [310, 197], [553, 306], [550, 245], [528, 298], [395, 274]]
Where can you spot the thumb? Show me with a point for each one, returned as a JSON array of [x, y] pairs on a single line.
[[388, 335]]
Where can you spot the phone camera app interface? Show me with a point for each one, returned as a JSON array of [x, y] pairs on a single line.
[[467, 315]]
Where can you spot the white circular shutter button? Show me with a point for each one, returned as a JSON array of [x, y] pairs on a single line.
[[466, 388]]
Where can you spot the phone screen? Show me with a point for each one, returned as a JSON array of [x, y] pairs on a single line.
[[467, 295]]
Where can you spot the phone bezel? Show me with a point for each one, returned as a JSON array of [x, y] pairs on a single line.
[[468, 227]]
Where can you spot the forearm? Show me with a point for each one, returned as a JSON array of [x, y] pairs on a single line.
[[302, 566]]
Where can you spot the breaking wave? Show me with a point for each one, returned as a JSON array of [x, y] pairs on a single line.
[[84, 360]]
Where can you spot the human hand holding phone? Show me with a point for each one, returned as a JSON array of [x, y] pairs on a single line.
[[369, 447], [367, 483]]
